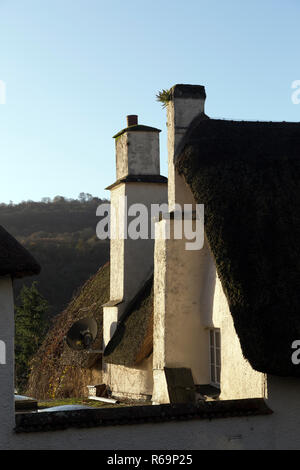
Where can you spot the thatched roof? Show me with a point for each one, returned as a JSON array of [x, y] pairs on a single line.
[[133, 338], [247, 175], [15, 260], [57, 370]]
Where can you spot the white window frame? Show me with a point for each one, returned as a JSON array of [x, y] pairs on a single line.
[[215, 356]]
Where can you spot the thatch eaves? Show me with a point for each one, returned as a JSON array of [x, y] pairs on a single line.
[[133, 338], [15, 260], [247, 176]]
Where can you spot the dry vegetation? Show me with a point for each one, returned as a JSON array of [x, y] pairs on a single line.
[[56, 370]]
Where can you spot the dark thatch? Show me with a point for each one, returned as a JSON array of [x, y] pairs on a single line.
[[247, 175], [133, 339], [15, 260], [58, 371]]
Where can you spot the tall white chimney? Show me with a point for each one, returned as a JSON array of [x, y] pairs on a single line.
[[187, 101], [180, 341], [138, 181]]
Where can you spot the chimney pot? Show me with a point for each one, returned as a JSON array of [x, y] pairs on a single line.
[[132, 120]]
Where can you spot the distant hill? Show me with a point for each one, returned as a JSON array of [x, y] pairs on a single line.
[[61, 235]]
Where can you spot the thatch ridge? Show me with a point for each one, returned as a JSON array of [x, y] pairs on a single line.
[[15, 260], [133, 338], [247, 176]]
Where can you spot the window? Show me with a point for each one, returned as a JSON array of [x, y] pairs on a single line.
[[215, 356]]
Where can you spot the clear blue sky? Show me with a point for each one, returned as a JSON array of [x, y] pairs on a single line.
[[75, 68]]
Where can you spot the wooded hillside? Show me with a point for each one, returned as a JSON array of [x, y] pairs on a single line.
[[61, 235]]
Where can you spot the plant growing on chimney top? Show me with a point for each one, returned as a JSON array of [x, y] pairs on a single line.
[[164, 97]]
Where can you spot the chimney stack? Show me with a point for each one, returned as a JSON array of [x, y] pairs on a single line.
[[187, 101], [132, 120], [137, 149], [138, 182]]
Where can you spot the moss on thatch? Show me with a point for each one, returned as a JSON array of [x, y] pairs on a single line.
[[57, 371], [133, 339], [247, 175], [15, 260]]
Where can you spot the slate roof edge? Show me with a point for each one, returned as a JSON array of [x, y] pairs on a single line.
[[159, 179], [136, 128], [51, 421]]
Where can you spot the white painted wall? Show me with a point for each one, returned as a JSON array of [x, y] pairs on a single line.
[[135, 383], [181, 289], [117, 244], [131, 260], [180, 113], [238, 379], [2, 352], [131, 265], [138, 254], [182, 295], [277, 431], [111, 316], [235, 433], [137, 153], [283, 399], [189, 299]]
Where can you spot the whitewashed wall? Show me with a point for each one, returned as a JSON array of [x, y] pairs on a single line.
[[131, 265], [277, 431], [238, 378], [135, 383]]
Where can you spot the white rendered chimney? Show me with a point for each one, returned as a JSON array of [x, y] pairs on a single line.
[[138, 182], [187, 101], [137, 149]]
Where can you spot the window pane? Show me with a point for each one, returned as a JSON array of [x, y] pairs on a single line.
[[218, 341], [215, 355], [212, 373], [218, 374], [212, 340], [218, 357], [212, 356]]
